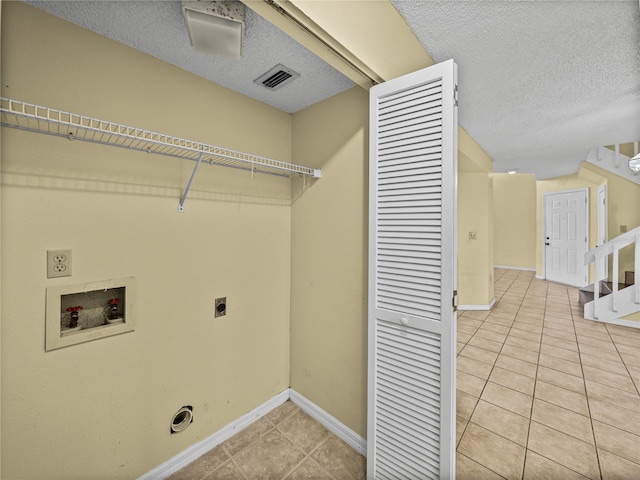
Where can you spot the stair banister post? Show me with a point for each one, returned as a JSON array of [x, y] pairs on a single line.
[[596, 284], [636, 274], [614, 280]]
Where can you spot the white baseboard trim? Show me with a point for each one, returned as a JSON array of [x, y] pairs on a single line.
[[196, 450], [336, 427], [540, 277], [478, 307], [507, 267]]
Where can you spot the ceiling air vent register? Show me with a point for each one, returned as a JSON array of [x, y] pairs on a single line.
[[277, 77]]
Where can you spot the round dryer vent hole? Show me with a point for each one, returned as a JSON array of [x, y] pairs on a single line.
[[182, 419]]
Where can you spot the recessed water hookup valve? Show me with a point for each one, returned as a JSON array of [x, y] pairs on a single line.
[[73, 323], [114, 307]]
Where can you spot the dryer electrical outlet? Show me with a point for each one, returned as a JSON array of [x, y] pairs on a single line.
[[221, 307], [58, 263]]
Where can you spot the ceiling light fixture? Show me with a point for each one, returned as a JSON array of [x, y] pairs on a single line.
[[215, 27], [634, 163], [512, 172]]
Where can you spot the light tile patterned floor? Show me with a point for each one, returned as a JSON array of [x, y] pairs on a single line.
[[284, 444], [544, 393], [541, 394]]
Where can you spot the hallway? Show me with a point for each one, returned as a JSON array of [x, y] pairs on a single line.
[[543, 393]]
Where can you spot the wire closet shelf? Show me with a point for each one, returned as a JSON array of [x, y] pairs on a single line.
[[50, 121]]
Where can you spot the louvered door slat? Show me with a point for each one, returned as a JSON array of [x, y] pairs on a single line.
[[404, 361], [406, 430], [401, 95], [411, 203], [408, 134], [410, 152], [412, 176], [400, 433], [412, 126], [407, 171], [418, 282], [414, 137], [409, 162], [409, 182], [417, 252], [408, 220], [412, 247], [400, 121], [429, 89], [434, 244], [402, 111], [391, 469], [412, 413], [418, 290], [429, 278], [414, 260]]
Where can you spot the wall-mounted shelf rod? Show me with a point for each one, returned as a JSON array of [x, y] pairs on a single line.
[[50, 121]]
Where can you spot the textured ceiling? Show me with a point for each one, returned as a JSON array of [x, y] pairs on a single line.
[[541, 82], [157, 27]]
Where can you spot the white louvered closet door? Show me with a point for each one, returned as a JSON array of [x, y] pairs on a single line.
[[412, 275]]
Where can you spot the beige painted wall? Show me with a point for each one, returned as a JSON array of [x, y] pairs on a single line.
[[475, 213], [623, 148], [329, 258], [475, 257], [330, 253], [514, 204], [102, 409]]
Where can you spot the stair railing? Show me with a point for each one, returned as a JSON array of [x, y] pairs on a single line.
[[606, 249]]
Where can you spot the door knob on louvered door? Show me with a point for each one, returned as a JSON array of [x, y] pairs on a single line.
[[404, 321]]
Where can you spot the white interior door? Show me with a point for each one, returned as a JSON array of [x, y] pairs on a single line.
[[566, 239], [602, 229], [412, 275]]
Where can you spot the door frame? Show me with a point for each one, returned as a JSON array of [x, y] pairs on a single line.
[[544, 226], [603, 236]]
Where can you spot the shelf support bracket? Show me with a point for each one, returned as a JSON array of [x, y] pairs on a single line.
[[188, 187]]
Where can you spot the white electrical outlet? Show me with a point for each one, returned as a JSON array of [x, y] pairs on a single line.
[[58, 263]]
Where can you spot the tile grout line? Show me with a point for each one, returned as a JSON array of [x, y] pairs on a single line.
[[621, 358], [236, 464], [552, 428], [492, 369], [492, 365], [586, 392], [233, 458], [307, 456], [487, 380], [535, 381], [304, 454], [485, 383]]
